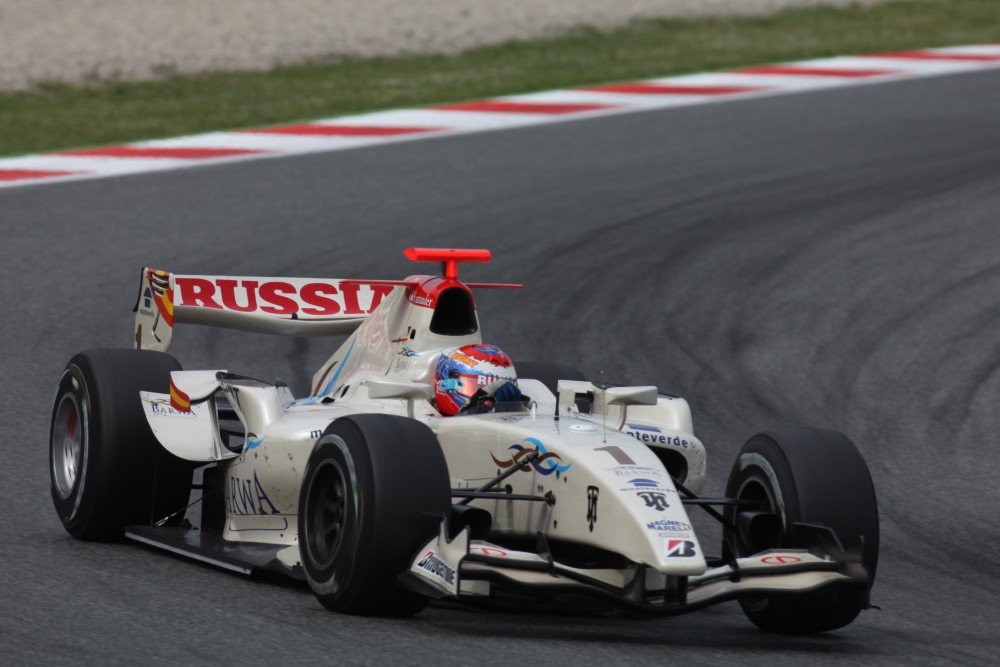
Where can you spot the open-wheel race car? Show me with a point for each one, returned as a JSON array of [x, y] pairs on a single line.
[[426, 464]]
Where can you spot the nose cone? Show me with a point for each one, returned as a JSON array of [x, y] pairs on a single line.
[[647, 519], [606, 489]]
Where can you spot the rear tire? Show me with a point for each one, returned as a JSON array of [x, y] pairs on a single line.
[[375, 490], [805, 476], [106, 468]]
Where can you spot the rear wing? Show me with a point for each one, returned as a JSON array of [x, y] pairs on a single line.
[[290, 306]]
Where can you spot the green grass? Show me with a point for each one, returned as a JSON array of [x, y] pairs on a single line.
[[57, 116]]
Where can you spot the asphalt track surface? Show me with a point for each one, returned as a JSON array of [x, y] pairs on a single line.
[[827, 258]]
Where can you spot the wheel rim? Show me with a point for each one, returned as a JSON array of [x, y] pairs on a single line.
[[67, 442], [326, 508], [758, 490]]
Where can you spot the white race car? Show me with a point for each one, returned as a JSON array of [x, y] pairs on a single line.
[[421, 466]]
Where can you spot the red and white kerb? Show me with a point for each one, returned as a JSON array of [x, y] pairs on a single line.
[[381, 127]]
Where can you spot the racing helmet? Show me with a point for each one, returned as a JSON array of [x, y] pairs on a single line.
[[463, 371]]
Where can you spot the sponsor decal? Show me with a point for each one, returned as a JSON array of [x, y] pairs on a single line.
[[374, 335], [407, 352], [492, 552], [178, 399], [780, 560], [644, 483], [680, 549], [290, 297], [653, 435], [678, 533], [405, 337], [642, 427], [253, 442], [546, 463], [637, 471], [488, 379], [421, 300], [247, 496], [436, 567], [315, 434], [464, 359], [164, 410], [592, 493], [657, 501], [617, 453], [668, 525]]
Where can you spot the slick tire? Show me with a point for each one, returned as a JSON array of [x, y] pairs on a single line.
[[805, 476], [375, 490], [106, 469]]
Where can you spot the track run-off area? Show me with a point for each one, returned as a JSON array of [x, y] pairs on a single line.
[[359, 130], [826, 258]]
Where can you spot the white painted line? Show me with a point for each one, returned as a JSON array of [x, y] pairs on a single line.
[[97, 165], [772, 82], [615, 99], [453, 120], [278, 143]]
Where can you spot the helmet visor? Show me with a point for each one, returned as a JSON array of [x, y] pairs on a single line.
[[466, 385]]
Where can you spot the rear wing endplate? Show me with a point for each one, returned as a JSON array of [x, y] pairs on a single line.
[[290, 306]]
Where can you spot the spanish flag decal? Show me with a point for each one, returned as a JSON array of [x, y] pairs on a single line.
[[178, 399], [163, 295]]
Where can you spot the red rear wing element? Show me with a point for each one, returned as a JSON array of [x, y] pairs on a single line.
[[450, 257]]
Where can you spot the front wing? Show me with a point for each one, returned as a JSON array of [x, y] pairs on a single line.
[[470, 569]]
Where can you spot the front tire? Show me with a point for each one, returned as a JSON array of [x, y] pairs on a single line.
[[106, 468], [375, 490], [803, 476]]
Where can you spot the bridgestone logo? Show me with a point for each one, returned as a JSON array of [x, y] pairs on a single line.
[[438, 568]]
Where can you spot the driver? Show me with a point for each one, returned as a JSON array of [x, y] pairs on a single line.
[[473, 379]]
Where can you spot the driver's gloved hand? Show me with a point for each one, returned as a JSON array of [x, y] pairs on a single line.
[[507, 392], [486, 399]]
